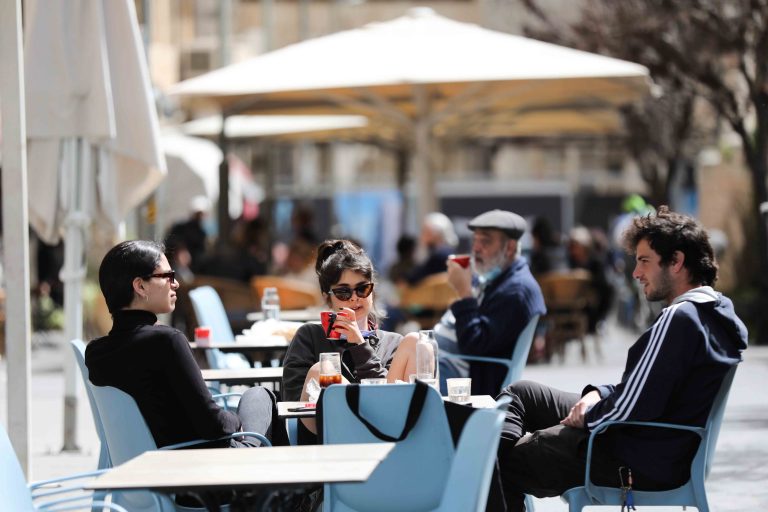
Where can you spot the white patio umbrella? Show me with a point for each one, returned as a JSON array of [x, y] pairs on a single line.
[[424, 74], [92, 137]]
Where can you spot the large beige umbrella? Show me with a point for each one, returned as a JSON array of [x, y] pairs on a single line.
[[421, 73], [92, 137]]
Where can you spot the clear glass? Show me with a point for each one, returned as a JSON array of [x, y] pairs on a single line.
[[270, 304], [459, 389], [427, 363], [330, 369]]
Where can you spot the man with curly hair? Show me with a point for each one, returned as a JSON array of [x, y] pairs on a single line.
[[672, 374]]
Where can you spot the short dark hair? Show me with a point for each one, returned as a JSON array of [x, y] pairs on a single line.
[[336, 256], [121, 265], [667, 232]]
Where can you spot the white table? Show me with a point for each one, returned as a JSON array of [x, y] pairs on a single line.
[[244, 468], [244, 375], [241, 346], [291, 315], [476, 401]]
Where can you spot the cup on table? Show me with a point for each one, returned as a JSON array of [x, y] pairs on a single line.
[[461, 259], [203, 336], [330, 369], [327, 319], [427, 379], [373, 382], [459, 389]]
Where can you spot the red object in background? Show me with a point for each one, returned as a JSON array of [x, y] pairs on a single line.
[[202, 335]]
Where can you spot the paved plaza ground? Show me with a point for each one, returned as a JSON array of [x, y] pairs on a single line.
[[739, 479]]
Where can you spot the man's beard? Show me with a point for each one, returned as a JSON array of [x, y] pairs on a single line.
[[663, 287], [498, 261]]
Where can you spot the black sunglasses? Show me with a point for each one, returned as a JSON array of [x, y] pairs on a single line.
[[345, 293], [171, 274]]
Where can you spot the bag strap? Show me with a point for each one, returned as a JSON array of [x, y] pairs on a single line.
[[414, 411]]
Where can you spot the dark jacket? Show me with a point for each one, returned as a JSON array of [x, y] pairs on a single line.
[[357, 361], [154, 364], [490, 326], [672, 375]]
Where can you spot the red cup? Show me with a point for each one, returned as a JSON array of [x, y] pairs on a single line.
[[327, 319], [203, 335], [461, 259]]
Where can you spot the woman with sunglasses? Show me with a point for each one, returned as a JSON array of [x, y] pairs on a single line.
[[154, 364], [347, 282]]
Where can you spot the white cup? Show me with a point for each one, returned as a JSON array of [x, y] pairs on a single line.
[[459, 389]]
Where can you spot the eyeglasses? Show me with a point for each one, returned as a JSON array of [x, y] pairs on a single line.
[[345, 292], [171, 274]]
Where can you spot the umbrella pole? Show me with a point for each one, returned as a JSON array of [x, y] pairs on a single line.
[[422, 170], [72, 276], [15, 230]]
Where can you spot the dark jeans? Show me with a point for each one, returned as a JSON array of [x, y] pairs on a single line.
[[552, 458]]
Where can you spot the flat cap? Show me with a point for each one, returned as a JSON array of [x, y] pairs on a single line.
[[510, 223]]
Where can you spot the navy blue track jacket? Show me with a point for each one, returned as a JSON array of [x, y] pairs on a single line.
[[672, 375]]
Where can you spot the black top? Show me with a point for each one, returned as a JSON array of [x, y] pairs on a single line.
[[154, 364], [367, 360]]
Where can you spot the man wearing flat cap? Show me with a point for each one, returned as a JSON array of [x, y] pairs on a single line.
[[497, 298]]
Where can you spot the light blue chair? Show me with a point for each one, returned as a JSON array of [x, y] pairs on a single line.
[[17, 496], [472, 467], [210, 312], [78, 347], [690, 494], [128, 435], [516, 363], [413, 475]]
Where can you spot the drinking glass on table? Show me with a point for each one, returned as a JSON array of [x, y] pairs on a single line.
[[330, 369]]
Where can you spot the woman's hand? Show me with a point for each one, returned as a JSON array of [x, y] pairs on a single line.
[[575, 418], [346, 323]]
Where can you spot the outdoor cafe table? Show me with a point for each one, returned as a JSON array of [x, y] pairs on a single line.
[[226, 468], [243, 375], [241, 346], [290, 315], [476, 401]]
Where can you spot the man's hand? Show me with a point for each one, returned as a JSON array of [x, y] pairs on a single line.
[[575, 418], [460, 279]]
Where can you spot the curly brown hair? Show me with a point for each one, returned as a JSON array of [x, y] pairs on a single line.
[[666, 232]]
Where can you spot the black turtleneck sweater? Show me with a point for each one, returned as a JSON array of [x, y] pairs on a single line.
[[154, 364]]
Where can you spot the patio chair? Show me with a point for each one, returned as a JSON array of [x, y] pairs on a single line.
[[472, 467], [426, 301], [210, 312], [78, 347], [413, 476], [128, 435], [17, 496], [294, 294], [690, 494], [516, 363], [567, 296]]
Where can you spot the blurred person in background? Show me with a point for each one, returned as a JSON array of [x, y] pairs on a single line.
[[189, 235], [438, 238], [583, 254], [547, 253], [406, 259]]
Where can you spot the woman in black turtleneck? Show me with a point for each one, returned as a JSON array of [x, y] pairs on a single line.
[[154, 364]]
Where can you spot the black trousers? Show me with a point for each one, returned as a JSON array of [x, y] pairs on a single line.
[[537, 455]]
